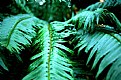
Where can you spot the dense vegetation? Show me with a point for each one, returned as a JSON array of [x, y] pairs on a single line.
[[60, 40]]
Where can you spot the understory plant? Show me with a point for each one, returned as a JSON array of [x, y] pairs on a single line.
[[50, 43]]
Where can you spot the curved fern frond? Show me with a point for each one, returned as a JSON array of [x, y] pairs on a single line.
[[106, 5], [105, 47], [115, 70], [16, 32], [51, 62], [91, 20]]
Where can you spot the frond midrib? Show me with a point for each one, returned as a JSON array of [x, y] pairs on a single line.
[[50, 50]]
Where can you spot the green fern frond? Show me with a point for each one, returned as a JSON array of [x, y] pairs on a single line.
[[115, 70], [89, 21], [17, 32], [106, 5], [51, 62], [101, 45], [104, 44]]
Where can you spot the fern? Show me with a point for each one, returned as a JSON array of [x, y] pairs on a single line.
[[106, 5], [46, 9], [16, 34], [94, 19], [106, 46], [51, 62], [111, 5], [22, 5], [114, 72], [97, 33], [100, 44]]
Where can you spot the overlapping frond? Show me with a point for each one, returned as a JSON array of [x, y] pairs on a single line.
[[91, 20], [106, 5], [51, 62], [114, 72], [16, 32], [101, 45], [105, 46]]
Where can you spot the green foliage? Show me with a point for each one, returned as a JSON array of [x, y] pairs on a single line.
[[104, 45], [114, 72], [46, 9], [16, 34], [51, 62], [96, 31], [22, 5], [106, 4], [99, 43], [93, 20], [113, 6]]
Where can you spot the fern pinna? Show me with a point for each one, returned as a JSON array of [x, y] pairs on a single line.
[[51, 62]]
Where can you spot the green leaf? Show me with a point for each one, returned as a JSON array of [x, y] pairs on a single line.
[[97, 37], [51, 62], [94, 19], [115, 70], [17, 32], [113, 53], [106, 47], [108, 4]]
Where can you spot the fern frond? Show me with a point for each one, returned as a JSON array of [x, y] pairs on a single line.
[[16, 32], [104, 44], [106, 5], [111, 5], [51, 62], [115, 71], [101, 45], [90, 21]]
